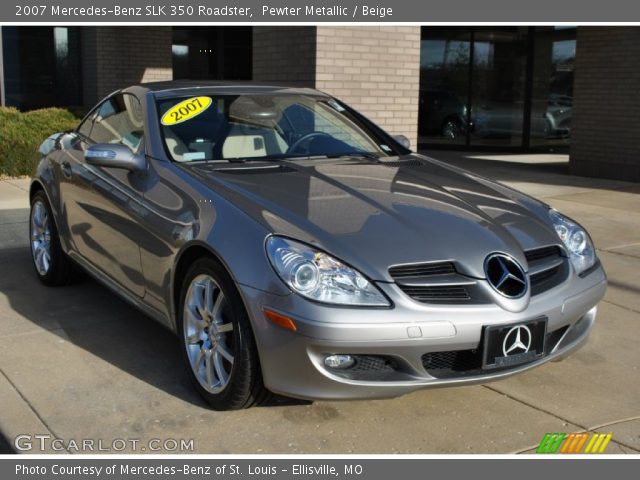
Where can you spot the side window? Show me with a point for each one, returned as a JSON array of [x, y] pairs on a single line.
[[119, 120], [85, 127]]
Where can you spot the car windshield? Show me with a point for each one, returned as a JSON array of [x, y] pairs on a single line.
[[265, 127]]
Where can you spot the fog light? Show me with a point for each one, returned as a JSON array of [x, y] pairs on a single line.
[[339, 361]]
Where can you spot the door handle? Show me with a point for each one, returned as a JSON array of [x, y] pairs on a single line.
[[66, 169]]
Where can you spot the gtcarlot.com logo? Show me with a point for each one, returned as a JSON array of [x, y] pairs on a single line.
[[45, 442], [574, 443]]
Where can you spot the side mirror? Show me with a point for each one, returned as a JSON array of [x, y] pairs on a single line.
[[49, 144], [114, 156], [402, 140]]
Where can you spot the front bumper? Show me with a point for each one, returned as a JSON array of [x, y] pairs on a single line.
[[293, 362]]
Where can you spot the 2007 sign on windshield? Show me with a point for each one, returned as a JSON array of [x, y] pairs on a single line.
[[186, 110]]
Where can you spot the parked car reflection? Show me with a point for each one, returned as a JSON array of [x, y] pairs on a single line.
[[443, 114]]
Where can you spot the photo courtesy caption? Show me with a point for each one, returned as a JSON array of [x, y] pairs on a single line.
[[231, 469], [124, 469]]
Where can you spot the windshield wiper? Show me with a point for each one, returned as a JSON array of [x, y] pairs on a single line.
[[251, 159], [370, 155]]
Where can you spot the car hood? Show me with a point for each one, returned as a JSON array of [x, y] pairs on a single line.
[[373, 214]]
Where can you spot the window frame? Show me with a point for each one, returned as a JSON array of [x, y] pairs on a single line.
[[93, 113]]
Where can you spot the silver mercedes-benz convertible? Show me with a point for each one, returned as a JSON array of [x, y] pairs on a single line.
[[295, 247]]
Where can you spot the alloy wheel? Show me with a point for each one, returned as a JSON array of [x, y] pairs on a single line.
[[208, 333], [41, 238]]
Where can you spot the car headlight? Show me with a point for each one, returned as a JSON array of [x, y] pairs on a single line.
[[581, 251], [318, 276]]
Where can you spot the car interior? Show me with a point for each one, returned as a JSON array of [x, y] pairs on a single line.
[[258, 126]]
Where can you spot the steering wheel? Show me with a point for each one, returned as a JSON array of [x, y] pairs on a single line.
[[306, 138]]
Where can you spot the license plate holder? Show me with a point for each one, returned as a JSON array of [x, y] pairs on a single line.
[[513, 344]]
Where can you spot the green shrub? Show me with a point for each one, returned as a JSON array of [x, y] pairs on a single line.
[[21, 133]]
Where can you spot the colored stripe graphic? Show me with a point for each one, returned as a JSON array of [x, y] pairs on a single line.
[[568, 443], [573, 443], [598, 443], [551, 442], [580, 442]]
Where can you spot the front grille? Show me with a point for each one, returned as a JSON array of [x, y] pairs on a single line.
[[436, 282], [548, 279], [468, 363], [542, 253], [422, 270], [436, 293], [452, 362], [551, 277], [440, 282]]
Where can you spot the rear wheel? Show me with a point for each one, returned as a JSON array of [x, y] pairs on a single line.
[[52, 265], [216, 339]]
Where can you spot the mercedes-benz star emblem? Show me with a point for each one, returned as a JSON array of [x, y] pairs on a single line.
[[517, 340], [505, 275]]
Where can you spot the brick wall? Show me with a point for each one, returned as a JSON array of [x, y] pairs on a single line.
[[116, 57], [375, 70], [284, 54], [605, 133]]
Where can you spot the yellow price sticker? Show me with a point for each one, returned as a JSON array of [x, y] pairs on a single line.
[[186, 110]]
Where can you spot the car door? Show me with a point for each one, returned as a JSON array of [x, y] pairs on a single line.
[[103, 205]]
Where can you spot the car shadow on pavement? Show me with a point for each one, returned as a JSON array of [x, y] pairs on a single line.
[[5, 446], [91, 317]]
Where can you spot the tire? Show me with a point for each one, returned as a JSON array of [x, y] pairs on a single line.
[[51, 264], [216, 339]]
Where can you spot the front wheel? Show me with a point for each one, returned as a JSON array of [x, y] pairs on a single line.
[[52, 266], [216, 339]]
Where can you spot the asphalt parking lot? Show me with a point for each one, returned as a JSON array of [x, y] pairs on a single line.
[[78, 363]]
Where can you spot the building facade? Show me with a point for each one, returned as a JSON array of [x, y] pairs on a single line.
[[496, 88]]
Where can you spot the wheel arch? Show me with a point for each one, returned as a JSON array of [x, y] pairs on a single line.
[[188, 254], [35, 187], [38, 186]]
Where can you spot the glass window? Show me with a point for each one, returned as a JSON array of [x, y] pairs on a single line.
[[119, 120], [499, 80], [212, 53], [444, 85], [270, 127], [85, 127], [552, 89], [496, 86], [41, 66]]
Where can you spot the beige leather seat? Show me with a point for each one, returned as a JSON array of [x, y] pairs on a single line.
[[176, 147], [244, 146]]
